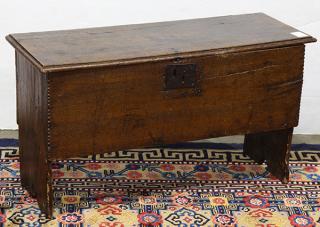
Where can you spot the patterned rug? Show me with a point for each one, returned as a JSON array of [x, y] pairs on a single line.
[[189, 184]]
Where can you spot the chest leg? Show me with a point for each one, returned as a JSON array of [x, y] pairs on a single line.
[[272, 147]]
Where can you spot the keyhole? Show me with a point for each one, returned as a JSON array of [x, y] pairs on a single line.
[[174, 72]]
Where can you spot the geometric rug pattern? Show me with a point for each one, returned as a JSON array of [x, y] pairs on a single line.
[[189, 184]]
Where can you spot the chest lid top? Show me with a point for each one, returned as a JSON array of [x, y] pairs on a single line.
[[92, 47]]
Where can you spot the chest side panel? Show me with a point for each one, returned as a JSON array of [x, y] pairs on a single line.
[[33, 135], [106, 109]]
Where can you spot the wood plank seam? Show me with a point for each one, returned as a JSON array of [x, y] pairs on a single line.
[[76, 100]]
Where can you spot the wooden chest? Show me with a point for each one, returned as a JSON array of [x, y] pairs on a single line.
[[90, 91]]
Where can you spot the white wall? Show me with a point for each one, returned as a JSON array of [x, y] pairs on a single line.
[[38, 15]]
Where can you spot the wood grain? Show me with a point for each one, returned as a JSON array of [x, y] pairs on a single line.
[[82, 48], [90, 91], [272, 147], [33, 145], [125, 107]]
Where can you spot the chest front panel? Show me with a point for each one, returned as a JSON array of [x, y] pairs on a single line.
[[98, 110]]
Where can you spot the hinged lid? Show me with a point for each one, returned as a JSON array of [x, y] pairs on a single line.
[[92, 47]]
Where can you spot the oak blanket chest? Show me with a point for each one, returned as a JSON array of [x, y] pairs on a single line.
[[90, 91]]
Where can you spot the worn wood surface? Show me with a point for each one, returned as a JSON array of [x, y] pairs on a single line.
[[91, 91], [126, 107], [61, 50], [272, 147], [33, 144]]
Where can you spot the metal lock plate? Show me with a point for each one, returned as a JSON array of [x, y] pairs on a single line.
[[180, 76]]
